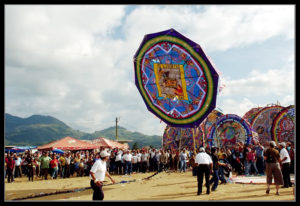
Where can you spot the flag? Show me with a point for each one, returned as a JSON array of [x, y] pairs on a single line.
[[221, 87]]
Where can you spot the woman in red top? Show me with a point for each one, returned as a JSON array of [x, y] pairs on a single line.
[[250, 158], [54, 167]]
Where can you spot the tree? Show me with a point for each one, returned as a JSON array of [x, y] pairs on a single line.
[[135, 146]]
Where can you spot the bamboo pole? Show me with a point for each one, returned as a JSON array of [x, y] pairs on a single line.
[[180, 138], [194, 133]]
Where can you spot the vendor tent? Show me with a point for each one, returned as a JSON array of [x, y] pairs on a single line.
[[106, 143], [68, 143], [18, 149]]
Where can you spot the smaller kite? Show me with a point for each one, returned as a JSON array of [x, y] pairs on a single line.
[[283, 127], [228, 130], [263, 121]]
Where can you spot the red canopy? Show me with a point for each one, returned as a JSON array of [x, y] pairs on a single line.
[[68, 143], [106, 143]]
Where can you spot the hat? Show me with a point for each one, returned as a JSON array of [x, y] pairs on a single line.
[[201, 149], [104, 153], [272, 143], [282, 144]]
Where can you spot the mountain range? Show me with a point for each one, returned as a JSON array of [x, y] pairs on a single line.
[[38, 130]]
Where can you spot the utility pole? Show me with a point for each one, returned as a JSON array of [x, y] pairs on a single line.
[[117, 128]]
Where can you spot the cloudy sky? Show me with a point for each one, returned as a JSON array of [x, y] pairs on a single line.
[[75, 62]]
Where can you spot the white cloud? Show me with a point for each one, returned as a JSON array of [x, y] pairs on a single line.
[[288, 100], [275, 82], [216, 28], [259, 89], [238, 107], [65, 61]]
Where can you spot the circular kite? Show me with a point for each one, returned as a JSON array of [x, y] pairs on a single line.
[[250, 115], [210, 122], [175, 78], [283, 127], [171, 137], [176, 137], [263, 121], [229, 130]]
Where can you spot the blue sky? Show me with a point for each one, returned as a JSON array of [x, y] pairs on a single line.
[[75, 62]]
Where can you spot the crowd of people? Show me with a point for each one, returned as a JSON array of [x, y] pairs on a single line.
[[241, 159], [272, 160], [44, 164]]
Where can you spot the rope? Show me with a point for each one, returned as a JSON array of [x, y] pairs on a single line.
[[77, 190]]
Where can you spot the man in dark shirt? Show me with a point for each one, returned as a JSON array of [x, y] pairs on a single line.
[[216, 163], [30, 167]]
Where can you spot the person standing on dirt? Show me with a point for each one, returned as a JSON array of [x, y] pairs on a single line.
[[10, 164], [183, 157], [285, 161], [67, 165], [45, 162], [62, 161], [163, 159], [216, 164], [127, 157], [272, 157], [205, 167], [118, 162], [30, 167], [144, 160], [54, 167], [18, 160], [97, 175]]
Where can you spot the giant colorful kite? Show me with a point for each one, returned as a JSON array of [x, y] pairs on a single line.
[[210, 122], [229, 130], [176, 137], [263, 121], [175, 78], [283, 127], [250, 115]]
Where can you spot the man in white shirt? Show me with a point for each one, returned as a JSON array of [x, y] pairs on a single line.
[[118, 161], [139, 161], [144, 159], [97, 175], [205, 166], [18, 161], [127, 160], [134, 162], [285, 161]]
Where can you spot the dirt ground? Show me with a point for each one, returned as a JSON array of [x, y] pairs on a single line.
[[161, 187]]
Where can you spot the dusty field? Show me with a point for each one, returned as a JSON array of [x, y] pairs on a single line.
[[164, 186]]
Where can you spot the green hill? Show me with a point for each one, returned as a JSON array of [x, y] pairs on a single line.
[[38, 130], [123, 134]]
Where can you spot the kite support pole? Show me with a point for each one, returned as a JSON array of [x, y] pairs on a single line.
[[180, 138], [194, 133]]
